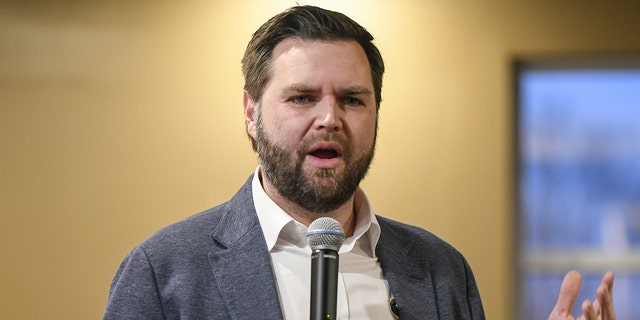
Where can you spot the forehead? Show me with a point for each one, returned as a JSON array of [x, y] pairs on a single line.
[[342, 61]]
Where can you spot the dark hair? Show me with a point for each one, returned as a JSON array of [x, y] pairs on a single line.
[[306, 23]]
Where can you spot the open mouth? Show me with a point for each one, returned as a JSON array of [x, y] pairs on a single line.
[[325, 154]]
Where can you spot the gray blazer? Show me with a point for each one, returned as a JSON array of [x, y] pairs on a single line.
[[215, 265]]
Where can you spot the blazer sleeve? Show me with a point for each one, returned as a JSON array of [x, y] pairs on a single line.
[[134, 292], [473, 295]]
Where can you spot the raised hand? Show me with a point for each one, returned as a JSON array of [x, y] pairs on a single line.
[[601, 309]]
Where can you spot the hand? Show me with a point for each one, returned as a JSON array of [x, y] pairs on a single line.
[[601, 309]]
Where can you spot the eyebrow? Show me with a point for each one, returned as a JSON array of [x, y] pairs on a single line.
[[350, 90], [356, 90], [296, 87]]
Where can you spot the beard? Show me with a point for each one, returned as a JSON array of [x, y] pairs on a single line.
[[318, 191]]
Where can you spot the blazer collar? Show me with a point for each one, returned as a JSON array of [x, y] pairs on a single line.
[[240, 261], [409, 278]]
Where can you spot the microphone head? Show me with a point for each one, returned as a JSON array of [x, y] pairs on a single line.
[[325, 233]]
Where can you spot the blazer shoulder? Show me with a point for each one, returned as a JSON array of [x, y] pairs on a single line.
[[407, 235], [196, 231], [400, 240]]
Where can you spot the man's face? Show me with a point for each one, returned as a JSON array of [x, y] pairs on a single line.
[[315, 127]]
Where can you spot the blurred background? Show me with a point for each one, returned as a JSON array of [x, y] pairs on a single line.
[[120, 117]]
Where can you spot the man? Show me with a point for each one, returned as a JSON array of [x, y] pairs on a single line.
[[313, 82]]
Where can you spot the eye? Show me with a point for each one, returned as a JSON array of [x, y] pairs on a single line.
[[300, 99], [352, 101]]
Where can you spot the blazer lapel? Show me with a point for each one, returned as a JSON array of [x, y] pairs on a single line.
[[240, 262], [409, 280]]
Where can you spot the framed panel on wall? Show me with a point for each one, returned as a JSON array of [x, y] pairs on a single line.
[[577, 157]]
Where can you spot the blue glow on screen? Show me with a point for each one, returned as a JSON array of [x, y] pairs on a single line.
[[580, 158]]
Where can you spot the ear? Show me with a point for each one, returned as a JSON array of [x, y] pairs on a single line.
[[249, 114]]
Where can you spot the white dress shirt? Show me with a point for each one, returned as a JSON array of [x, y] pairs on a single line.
[[362, 291]]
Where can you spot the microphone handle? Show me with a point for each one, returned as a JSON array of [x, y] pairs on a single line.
[[324, 284]]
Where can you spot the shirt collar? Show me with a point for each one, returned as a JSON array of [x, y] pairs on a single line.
[[277, 224]]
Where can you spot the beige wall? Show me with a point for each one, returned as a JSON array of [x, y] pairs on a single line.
[[120, 117]]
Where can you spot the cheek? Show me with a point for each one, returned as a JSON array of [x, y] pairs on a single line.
[[282, 131], [364, 135], [368, 126]]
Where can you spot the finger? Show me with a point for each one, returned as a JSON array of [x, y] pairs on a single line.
[[568, 293], [608, 281], [596, 305], [605, 297], [588, 312]]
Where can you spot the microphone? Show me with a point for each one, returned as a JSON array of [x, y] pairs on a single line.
[[325, 236]]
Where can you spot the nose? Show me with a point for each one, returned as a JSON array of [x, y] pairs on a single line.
[[330, 115]]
